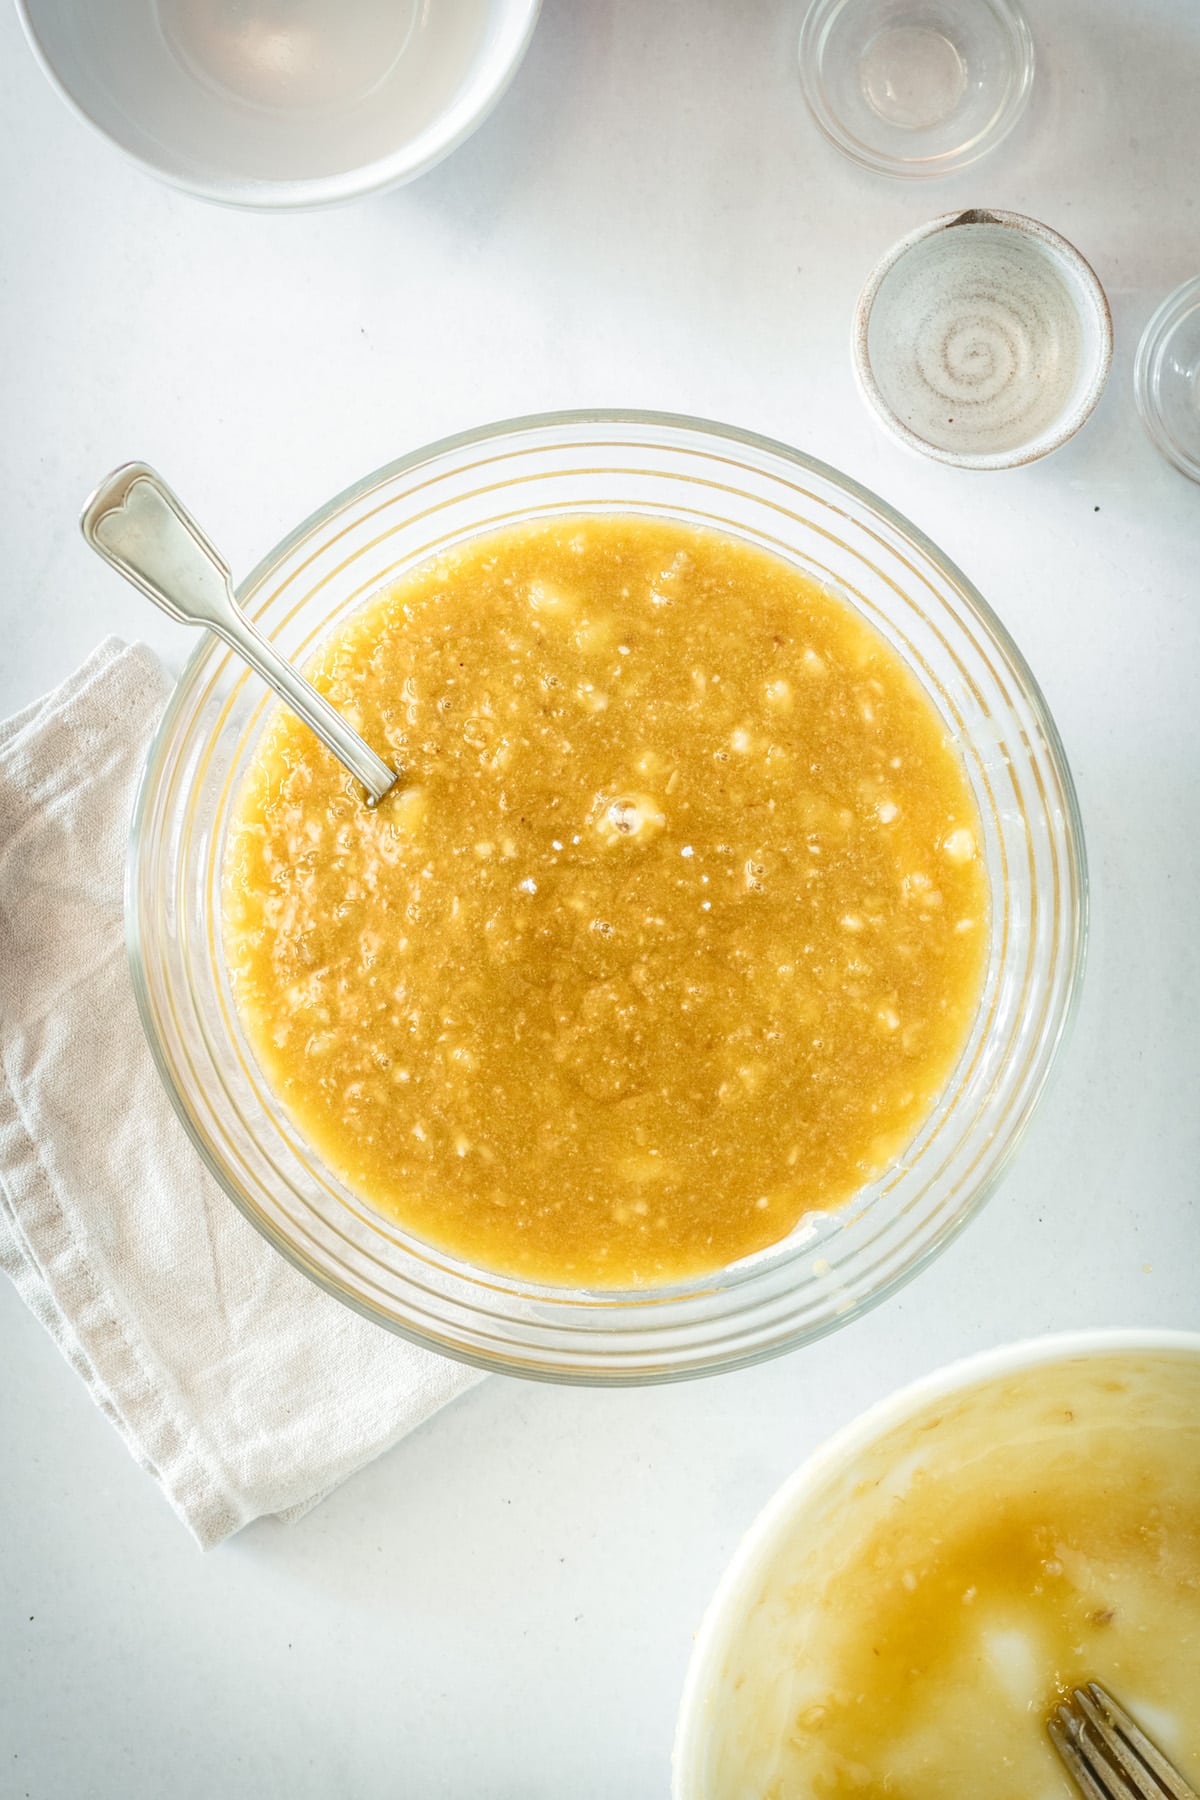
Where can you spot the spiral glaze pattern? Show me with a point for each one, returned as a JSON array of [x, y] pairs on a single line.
[[974, 360]]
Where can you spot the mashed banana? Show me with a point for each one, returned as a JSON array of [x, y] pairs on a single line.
[[672, 930]]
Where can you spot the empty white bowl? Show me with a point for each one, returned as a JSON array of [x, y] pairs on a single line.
[[281, 103], [983, 339]]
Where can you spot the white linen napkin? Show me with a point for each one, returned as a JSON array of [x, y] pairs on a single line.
[[241, 1387]]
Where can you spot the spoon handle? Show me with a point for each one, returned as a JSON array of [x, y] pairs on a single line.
[[135, 522]]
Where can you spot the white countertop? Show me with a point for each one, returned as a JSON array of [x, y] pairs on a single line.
[[503, 1605]]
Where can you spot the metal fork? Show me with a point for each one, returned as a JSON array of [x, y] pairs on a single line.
[[1109, 1757]]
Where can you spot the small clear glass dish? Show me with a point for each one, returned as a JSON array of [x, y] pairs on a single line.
[[1166, 378], [834, 1265], [916, 87]]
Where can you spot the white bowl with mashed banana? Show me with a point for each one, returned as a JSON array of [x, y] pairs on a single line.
[[904, 1615]]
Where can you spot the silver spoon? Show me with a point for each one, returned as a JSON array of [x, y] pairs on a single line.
[[137, 524]]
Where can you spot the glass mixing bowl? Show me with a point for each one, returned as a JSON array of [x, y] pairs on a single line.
[[833, 1265]]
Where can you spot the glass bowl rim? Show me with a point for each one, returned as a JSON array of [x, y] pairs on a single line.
[[716, 1361]]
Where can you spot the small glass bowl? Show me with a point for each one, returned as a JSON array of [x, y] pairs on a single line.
[[1166, 378], [916, 87], [833, 1265]]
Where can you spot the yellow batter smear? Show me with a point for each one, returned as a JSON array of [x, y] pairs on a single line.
[[672, 931], [924, 1614]]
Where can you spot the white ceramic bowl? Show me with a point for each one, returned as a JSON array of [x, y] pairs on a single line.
[[857, 1454], [281, 103], [982, 339]]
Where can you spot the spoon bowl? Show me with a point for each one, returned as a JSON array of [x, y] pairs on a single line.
[[143, 530]]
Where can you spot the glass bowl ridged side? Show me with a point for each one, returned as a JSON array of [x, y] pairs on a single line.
[[835, 1265]]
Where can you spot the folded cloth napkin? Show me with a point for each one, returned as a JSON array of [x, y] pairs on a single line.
[[240, 1386]]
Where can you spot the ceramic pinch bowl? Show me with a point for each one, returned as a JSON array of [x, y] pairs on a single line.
[[983, 339]]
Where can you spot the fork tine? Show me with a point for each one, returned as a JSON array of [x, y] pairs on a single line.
[[1064, 1735], [1114, 1724], [1100, 1735]]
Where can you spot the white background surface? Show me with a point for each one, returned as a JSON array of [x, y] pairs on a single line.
[[502, 1607]]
